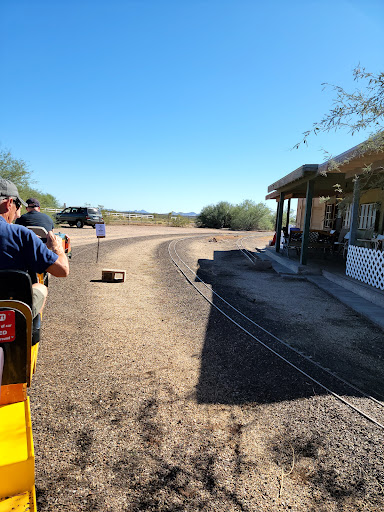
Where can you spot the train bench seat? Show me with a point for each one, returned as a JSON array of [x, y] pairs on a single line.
[[17, 489]]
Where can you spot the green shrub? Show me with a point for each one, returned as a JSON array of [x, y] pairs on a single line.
[[179, 221], [243, 217], [215, 216], [248, 215]]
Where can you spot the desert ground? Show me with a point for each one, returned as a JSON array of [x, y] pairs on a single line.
[[148, 398]]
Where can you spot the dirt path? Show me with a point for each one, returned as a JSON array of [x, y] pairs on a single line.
[[147, 399]]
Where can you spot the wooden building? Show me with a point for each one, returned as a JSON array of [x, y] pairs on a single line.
[[338, 195]]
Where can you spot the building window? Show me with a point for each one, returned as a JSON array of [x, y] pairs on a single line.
[[329, 216], [367, 216], [347, 217]]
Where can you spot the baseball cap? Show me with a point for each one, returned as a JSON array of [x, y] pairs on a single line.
[[8, 189], [32, 202]]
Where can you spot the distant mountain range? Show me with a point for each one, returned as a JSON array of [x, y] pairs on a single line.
[[182, 214], [189, 214]]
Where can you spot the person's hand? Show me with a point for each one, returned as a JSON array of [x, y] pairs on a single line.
[[54, 243]]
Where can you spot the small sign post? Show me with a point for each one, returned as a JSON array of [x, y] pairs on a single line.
[[100, 233]]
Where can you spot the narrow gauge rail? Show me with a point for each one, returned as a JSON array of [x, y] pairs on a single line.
[[321, 376], [252, 258]]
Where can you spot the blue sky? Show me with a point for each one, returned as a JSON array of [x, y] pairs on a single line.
[[175, 104]]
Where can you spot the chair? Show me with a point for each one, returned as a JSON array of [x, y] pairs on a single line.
[[346, 243], [363, 237], [16, 309], [39, 231], [368, 233], [379, 242], [324, 242], [17, 285], [342, 243], [292, 241]]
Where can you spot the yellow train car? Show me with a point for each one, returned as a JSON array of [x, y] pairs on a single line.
[[17, 458]]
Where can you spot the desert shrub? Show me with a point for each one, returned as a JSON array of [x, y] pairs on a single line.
[[250, 215], [215, 216], [179, 221]]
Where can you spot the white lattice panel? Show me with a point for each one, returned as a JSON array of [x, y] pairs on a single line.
[[366, 265]]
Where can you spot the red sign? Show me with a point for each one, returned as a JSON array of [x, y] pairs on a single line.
[[7, 326]]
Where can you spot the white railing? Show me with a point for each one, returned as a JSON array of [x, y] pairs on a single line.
[[130, 215], [366, 265]]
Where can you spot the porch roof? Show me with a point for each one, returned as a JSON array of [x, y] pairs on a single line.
[[308, 170], [294, 185], [352, 162]]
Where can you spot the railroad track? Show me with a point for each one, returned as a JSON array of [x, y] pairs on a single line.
[[365, 404]]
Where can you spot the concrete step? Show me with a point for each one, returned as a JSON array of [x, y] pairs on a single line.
[[363, 307], [292, 276], [363, 299], [364, 290]]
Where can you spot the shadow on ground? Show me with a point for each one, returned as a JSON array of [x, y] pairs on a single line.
[[237, 369]]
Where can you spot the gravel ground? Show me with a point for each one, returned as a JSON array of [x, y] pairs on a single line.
[[147, 398]]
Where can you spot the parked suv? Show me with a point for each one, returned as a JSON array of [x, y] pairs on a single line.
[[80, 216]]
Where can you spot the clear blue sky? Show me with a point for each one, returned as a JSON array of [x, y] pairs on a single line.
[[175, 104]]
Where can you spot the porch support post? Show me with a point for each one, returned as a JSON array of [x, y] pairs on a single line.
[[355, 212], [307, 222], [288, 212], [280, 211], [277, 214]]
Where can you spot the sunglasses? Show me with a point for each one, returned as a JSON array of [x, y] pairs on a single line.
[[17, 202]]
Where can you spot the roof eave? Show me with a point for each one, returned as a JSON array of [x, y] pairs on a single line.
[[303, 171]]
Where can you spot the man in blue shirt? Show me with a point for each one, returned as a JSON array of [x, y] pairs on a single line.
[[20, 249], [34, 217]]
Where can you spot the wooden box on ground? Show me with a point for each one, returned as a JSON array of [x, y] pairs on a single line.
[[113, 275]]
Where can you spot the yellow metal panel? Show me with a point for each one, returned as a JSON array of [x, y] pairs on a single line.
[[17, 458], [34, 352], [20, 503]]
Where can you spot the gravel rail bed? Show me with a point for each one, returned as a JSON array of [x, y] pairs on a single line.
[[146, 398]]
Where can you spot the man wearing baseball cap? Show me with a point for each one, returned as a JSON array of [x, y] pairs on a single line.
[[20, 249], [34, 217]]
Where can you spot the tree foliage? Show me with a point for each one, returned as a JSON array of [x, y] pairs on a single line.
[[245, 216], [17, 171], [355, 111], [14, 170], [358, 110], [46, 200], [215, 216], [248, 215]]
